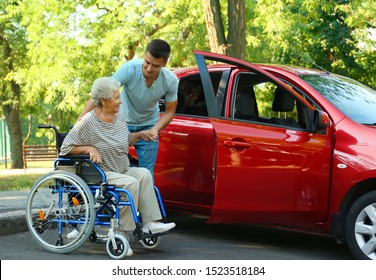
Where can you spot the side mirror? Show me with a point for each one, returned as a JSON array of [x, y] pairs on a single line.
[[321, 121]]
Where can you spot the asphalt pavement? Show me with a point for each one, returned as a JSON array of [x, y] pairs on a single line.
[[253, 239]]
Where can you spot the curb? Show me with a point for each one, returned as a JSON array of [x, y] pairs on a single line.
[[13, 222], [13, 211]]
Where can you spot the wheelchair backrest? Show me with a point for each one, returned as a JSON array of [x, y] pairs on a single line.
[[59, 140]]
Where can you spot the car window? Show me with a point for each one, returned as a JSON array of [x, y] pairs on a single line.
[[191, 97], [354, 99], [303, 95], [257, 99]]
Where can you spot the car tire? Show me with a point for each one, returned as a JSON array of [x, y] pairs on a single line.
[[360, 227]]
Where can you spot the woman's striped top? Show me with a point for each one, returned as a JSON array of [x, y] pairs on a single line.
[[110, 139]]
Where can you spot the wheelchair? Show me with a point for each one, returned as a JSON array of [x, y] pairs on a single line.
[[77, 196]]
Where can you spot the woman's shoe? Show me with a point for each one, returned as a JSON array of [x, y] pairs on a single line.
[[157, 227]]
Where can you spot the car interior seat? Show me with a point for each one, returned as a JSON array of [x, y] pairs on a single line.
[[195, 100], [246, 106], [283, 103], [181, 100]]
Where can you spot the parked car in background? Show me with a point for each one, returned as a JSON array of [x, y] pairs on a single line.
[[273, 145]]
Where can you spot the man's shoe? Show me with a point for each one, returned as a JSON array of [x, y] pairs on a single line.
[[73, 234], [157, 227]]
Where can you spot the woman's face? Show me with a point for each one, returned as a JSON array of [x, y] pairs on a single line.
[[113, 104]]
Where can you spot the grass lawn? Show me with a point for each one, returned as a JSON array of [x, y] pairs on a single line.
[[22, 181], [18, 182]]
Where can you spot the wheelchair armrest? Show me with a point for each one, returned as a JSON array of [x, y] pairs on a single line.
[[81, 164], [76, 157]]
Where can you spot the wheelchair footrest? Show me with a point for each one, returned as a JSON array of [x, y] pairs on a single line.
[[140, 235]]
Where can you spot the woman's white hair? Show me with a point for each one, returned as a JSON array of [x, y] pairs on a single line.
[[103, 87]]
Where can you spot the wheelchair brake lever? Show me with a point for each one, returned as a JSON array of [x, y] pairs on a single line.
[[97, 199]]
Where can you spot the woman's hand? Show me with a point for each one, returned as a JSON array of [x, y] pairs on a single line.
[[94, 155]]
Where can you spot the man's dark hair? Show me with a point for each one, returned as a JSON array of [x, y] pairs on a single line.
[[159, 48]]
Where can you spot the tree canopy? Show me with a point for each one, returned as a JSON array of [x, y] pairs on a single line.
[[53, 50]]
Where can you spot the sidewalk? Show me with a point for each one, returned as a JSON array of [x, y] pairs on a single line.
[[4, 172], [13, 203]]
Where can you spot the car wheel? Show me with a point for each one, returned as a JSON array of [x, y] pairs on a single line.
[[360, 227]]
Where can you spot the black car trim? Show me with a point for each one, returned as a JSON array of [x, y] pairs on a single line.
[[222, 90], [211, 102]]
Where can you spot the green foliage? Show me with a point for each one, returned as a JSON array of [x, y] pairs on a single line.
[[332, 34], [71, 44], [60, 47], [13, 49]]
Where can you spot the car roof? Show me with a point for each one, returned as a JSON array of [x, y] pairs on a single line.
[[296, 70]]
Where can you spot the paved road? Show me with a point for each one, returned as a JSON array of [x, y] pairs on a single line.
[[193, 239]]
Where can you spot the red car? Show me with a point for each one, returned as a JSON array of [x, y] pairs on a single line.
[[273, 145]]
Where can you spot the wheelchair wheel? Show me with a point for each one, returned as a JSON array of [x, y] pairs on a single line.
[[60, 204], [150, 243], [121, 244]]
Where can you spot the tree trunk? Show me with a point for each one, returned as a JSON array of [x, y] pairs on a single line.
[[12, 118], [214, 26], [236, 29], [11, 110], [235, 44]]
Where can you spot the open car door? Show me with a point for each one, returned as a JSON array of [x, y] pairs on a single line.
[[267, 170]]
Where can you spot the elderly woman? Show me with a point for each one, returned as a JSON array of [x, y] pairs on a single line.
[[103, 134]]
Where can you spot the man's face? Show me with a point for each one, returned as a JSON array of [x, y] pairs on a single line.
[[152, 66]]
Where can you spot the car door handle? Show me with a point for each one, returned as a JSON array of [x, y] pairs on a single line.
[[236, 144]]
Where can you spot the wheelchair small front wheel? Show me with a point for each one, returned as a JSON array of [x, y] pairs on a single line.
[[150, 243], [121, 247]]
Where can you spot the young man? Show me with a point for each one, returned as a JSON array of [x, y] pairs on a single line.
[[144, 82]]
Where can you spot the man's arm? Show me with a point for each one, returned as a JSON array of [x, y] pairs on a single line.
[[89, 106], [163, 121]]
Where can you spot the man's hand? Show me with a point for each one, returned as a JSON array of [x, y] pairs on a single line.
[[149, 135]]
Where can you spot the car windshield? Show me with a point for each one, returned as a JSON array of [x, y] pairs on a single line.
[[354, 99]]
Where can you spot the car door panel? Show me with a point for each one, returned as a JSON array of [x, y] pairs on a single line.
[[267, 173], [184, 169]]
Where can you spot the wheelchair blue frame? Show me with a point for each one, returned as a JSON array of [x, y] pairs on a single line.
[[113, 192], [77, 194]]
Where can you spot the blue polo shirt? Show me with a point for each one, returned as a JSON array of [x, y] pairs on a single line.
[[140, 103]]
